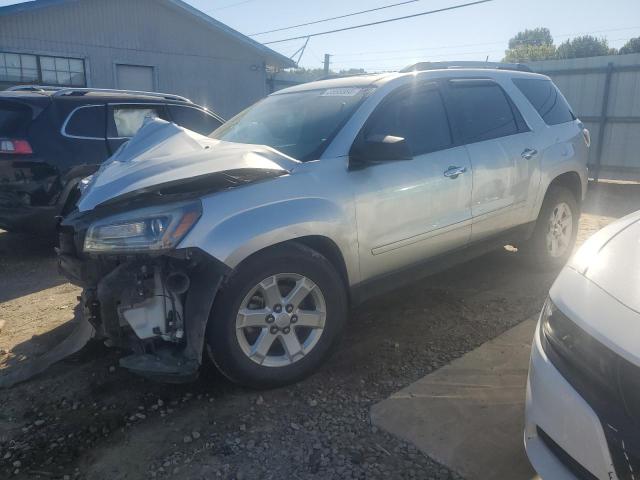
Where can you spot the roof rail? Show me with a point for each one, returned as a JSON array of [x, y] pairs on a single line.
[[82, 91], [32, 88], [423, 66]]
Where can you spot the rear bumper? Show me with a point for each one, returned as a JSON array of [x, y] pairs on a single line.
[[39, 220], [558, 410]]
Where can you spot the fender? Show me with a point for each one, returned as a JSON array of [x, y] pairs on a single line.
[[574, 154], [240, 235]]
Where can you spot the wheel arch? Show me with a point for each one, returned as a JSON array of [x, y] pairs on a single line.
[[315, 223], [571, 181]]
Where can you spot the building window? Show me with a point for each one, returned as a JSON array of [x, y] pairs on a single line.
[[18, 68], [62, 71], [42, 69]]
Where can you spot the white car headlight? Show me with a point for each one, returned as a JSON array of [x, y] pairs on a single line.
[[151, 229]]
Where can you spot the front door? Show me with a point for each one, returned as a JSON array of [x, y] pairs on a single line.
[[410, 210]]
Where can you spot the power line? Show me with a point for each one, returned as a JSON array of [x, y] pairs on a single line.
[[410, 57], [353, 14], [430, 12], [503, 42], [231, 5], [366, 64]]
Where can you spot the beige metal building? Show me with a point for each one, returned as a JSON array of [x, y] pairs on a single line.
[[159, 45]]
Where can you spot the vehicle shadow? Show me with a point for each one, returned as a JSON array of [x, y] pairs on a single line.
[[611, 199], [27, 265]]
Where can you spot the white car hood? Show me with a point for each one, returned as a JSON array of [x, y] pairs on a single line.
[[163, 153], [611, 260]]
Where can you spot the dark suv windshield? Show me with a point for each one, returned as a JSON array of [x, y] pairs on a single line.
[[299, 124]]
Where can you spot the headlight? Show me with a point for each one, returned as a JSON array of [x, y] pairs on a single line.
[[146, 230], [575, 353]]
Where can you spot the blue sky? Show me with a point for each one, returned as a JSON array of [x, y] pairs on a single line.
[[471, 33]]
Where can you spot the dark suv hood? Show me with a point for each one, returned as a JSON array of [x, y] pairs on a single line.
[[164, 156]]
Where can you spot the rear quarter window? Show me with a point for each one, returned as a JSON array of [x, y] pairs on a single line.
[[546, 99], [87, 122]]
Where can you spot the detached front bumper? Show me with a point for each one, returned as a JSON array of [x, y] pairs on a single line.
[[563, 437], [135, 303]]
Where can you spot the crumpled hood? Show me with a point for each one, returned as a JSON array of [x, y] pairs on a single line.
[[162, 153]]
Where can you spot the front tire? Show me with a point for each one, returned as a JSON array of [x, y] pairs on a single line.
[[277, 318], [556, 229]]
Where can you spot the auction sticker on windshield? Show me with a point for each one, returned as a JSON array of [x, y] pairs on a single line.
[[342, 92]]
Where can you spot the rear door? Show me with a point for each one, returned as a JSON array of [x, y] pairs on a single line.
[[125, 119], [501, 149]]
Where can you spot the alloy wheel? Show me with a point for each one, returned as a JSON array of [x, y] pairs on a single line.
[[281, 319], [559, 230]]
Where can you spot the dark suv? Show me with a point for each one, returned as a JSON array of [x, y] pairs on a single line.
[[51, 138]]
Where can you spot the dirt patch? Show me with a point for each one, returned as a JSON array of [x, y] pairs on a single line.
[[87, 418]]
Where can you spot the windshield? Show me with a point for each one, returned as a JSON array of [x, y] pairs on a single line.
[[297, 124]]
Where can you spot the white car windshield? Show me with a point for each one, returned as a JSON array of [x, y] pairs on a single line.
[[298, 124]]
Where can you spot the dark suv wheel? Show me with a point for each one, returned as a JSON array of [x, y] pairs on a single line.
[[278, 317], [556, 229]]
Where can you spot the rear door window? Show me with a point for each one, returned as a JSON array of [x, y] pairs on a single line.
[[87, 122], [193, 119], [126, 120], [418, 116], [482, 110], [546, 99]]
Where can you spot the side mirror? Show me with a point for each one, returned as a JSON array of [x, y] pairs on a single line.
[[379, 148]]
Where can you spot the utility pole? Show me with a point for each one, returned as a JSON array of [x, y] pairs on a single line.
[[327, 58]]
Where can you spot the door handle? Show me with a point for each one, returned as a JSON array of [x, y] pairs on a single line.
[[529, 153], [454, 172]]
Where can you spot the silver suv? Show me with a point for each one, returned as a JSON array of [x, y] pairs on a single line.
[[251, 244]]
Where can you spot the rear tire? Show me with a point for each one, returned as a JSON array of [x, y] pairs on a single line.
[[556, 229], [252, 336]]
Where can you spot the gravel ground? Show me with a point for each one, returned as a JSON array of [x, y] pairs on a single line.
[[87, 418]]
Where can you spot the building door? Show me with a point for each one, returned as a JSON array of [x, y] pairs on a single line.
[[135, 77]]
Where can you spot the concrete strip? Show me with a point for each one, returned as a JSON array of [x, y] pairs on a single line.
[[469, 415]]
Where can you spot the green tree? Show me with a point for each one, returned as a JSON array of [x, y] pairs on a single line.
[[632, 46], [531, 45], [530, 53], [536, 37], [584, 46]]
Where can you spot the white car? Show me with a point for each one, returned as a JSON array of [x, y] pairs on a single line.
[[583, 392]]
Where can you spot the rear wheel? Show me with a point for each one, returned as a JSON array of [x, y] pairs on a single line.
[[556, 229], [277, 318]]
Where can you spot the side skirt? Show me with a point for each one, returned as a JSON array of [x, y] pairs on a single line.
[[391, 281]]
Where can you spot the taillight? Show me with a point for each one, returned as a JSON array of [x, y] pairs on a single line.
[[587, 137], [16, 147]]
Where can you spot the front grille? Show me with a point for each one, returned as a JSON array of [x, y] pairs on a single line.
[[623, 446], [607, 382], [567, 460]]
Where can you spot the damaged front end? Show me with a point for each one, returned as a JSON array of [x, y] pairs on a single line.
[[140, 293]]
